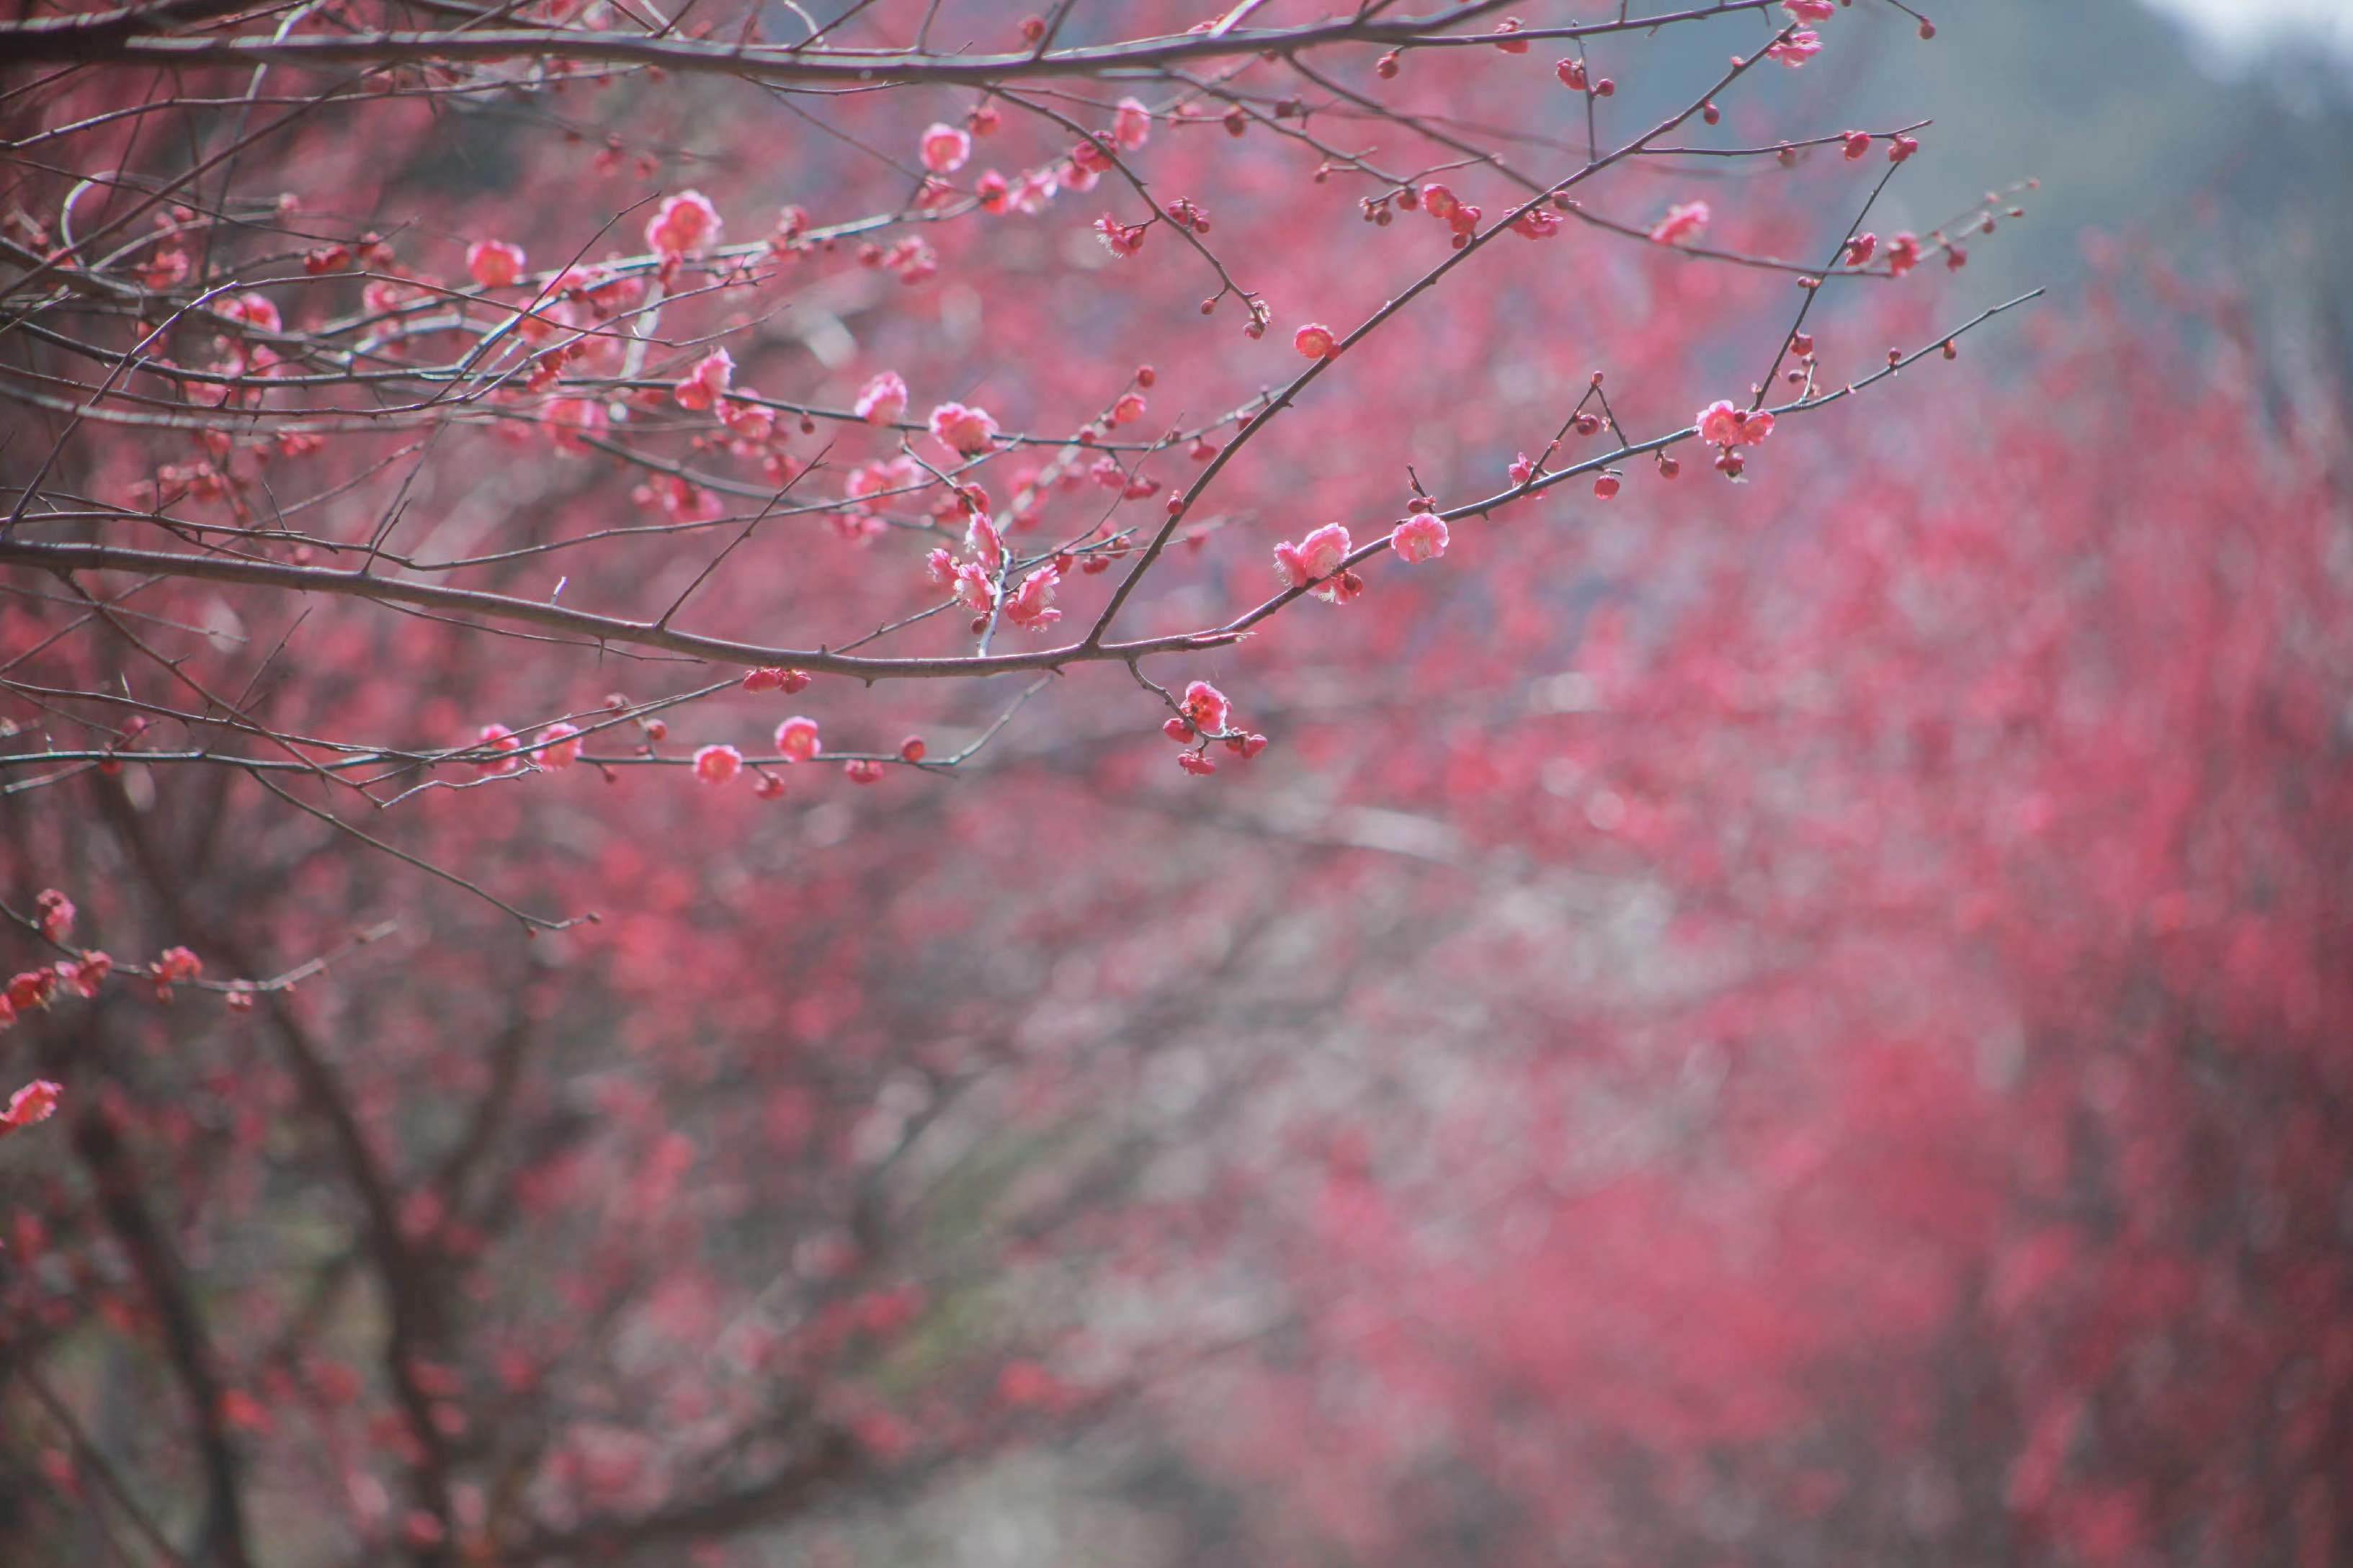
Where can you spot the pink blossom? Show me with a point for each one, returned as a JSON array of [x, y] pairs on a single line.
[[684, 223], [1122, 239], [968, 430], [1131, 126], [1419, 538], [175, 964], [56, 913], [1860, 248], [499, 739], [982, 542], [746, 419], [976, 587], [37, 1101], [945, 148], [883, 400], [558, 746], [85, 975], [797, 738], [1314, 559], [1683, 221], [32, 988], [1797, 49], [1523, 468], [912, 260], [494, 263], [878, 478], [1809, 10], [1206, 707], [707, 381], [1196, 763], [717, 764], [1315, 340], [992, 191], [1903, 253], [1031, 605], [678, 498], [254, 310]]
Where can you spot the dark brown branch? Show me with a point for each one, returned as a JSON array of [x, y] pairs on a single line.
[[96, 1142], [48, 40], [65, 558]]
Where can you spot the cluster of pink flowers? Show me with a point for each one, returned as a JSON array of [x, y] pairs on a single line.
[[37, 1101], [254, 310], [776, 678], [1576, 77], [83, 973], [1728, 426], [1797, 49], [677, 498], [1318, 563], [973, 582], [1460, 216], [1726, 423], [1027, 194], [707, 383], [1203, 715]]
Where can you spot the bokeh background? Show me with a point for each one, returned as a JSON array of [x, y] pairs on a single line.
[[1810, 1021]]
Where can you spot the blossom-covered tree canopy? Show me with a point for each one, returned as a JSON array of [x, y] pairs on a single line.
[[1731, 949]]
